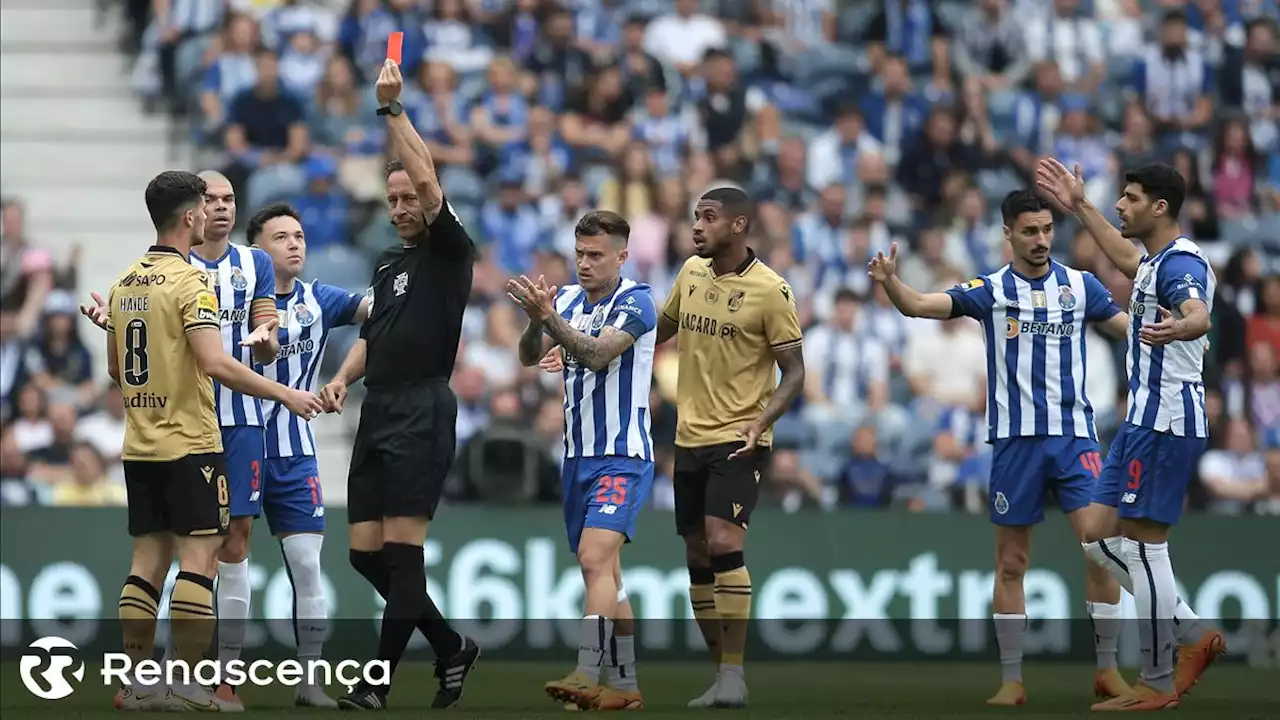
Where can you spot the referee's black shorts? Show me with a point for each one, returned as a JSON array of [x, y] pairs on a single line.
[[403, 451]]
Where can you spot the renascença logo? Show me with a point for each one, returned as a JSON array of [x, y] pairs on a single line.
[[55, 655]]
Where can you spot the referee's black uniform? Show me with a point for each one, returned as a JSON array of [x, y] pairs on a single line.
[[404, 446]]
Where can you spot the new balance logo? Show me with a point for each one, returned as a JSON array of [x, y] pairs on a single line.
[[1129, 498], [608, 509], [318, 512]]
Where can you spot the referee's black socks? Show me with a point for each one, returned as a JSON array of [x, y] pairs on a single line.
[[376, 567], [733, 605]]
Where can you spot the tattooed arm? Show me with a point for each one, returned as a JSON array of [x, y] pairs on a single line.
[[534, 344], [595, 353]]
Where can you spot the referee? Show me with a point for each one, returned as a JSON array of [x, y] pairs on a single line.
[[405, 443]]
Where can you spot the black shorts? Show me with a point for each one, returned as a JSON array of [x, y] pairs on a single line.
[[709, 484], [187, 496], [403, 451]]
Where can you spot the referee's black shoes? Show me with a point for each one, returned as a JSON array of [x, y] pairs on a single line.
[[452, 674]]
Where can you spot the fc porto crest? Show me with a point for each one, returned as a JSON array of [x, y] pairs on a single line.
[[735, 300], [597, 319], [1066, 298], [1001, 503], [303, 315], [238, 280]]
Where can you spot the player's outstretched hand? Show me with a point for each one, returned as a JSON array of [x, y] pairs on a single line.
[[1162, 332], [553, 361], [882, 268], [537, 300], [303, 404], [389, 83], [262, 334], [751, 433], [1060, 184], [97, 312], [333, 395]]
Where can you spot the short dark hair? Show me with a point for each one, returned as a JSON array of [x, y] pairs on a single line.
[[734, 201], [393, 166], [1160, 182], [170, 194], [266, 215], [847, 295], [603, 222], [1021, 201]]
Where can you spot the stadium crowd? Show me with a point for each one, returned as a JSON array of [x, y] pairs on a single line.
[[854, 124]]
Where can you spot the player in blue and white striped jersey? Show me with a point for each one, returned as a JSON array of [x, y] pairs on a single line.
[[291, 494], [1034, 313], [606, 328], [1145, 478]]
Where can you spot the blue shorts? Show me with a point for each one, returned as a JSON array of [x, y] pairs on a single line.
[[291, 495], [244, 447], [604, 492], [1024, 469], [1147, 473]]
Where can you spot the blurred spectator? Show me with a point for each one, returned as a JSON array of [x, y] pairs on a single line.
[[1174, 82], [1250, 81], [991, 47], [88, 484], [13, 373], [681, 38], [51, 463], [956, 377], [14, 489], [26, 271], [1236, 166], [302, 64], [1235, 475], [912, 30], [57, 361], [558, 68], [833, 155], [864, 481], [509, 224], [186, 28], [267, 136], [31, 428], [1262, 391], [231, 71], [1071, 39], [959, 444], [324, 207], [287, 18], [104, 427], [450, 38], [894, 112], [1264, 324]]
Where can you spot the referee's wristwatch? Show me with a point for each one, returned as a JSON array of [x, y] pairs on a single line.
[[394, 109]]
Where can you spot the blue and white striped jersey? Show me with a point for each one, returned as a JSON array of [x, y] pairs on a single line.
[[607, 412], [1035, 341], [240, 276], [306, 316], [1166, 389]]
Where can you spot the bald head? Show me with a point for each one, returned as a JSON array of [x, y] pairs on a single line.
[[220, 206]]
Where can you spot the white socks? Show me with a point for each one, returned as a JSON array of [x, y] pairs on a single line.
[[233, 594], [594, 638], [622, 663], [310, 607], [1106, 632], [1155, 595], [1110, 554], [1009, 630]]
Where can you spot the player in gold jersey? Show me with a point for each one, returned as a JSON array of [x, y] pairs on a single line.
[[735, 320], [163, 345]]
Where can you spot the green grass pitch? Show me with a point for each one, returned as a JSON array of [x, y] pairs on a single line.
[[791, 690]]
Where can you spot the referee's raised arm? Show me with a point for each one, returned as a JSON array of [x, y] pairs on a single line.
[[406, 144]]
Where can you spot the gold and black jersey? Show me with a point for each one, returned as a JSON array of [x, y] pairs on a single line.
[[168, 398], [730, 327]]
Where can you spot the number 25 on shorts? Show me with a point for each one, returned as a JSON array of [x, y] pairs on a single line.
[[611, 490]]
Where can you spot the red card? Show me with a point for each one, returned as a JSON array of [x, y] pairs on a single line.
[[395, 47]]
